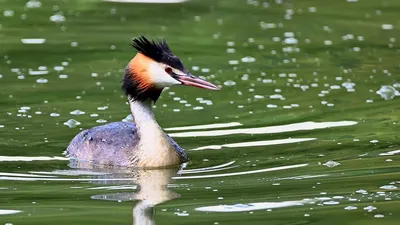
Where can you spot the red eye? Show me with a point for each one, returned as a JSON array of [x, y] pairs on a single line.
[[168, 70]]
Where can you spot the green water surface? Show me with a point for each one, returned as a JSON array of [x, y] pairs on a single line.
[[299, 81]]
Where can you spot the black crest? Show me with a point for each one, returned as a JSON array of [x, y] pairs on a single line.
[[157, 50]]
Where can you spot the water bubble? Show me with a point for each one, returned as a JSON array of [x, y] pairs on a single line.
[[77, 112], [101, 121], [58, 68], [276, 39], [57, 18], [40, 72], [331, 203], [207, 102], [387, 26], [101, 108], [290, 41], [379, 216], [248, 59], [331, 164], [267, 81], [33, 4], [338, 197], [230, 50], [348, 85], [8, 13], [205, 70], [370, 208], [350, 208], [362, 191], [54, 114], [388, 187], [348, 37], [184, 213], [229, 83], [388, 92], [41, 81], [265, 26], [74, 44], [71, 123], [233, 62], [312, 9], [288, 34], [33, 40], [276, 96]]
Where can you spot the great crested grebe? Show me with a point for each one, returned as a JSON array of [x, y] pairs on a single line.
[[141, 143]]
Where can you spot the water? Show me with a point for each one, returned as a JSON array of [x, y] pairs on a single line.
[[304, 130]]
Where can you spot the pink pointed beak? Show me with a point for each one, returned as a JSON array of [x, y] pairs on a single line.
[[190, 80]]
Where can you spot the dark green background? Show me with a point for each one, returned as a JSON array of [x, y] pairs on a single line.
[[198, 32]]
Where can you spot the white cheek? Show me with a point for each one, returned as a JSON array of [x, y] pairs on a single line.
[[159, 77]]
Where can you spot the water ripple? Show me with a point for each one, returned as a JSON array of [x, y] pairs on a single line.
[[8, 211], [205, 126], [266, 130], [256, 143], [29, 158], [252, 206], [242, 173]]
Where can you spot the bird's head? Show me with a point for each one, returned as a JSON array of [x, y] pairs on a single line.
[[155, 67]]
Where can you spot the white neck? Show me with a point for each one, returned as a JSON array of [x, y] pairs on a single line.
[[142, 113], [153, 148]]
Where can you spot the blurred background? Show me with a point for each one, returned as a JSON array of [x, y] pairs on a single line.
[[304, 131]]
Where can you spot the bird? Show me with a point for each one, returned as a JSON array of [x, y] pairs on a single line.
[[141, 143]]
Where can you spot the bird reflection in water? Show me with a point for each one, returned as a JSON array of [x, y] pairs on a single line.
[[151, 188]]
